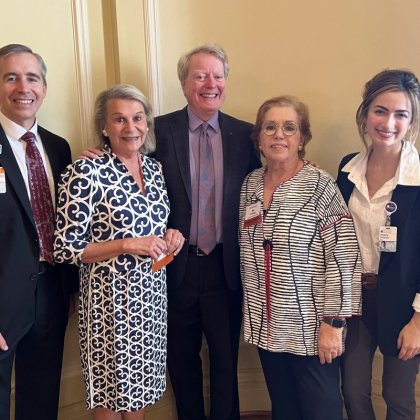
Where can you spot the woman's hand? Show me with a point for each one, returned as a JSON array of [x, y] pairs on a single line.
[[174, 241], [330, 343], [408, 341], [152, 245]]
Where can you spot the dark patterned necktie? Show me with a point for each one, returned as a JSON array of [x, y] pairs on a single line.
[[206, 236], [41, 202]]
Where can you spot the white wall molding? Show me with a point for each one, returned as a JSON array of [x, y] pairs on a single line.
[[151, 26], [83, 68]]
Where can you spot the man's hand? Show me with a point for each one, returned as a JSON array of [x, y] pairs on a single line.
[[91, 153], [3, 344], [174, 241]]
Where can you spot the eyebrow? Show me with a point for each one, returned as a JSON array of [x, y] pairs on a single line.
[[397, 110], [30, 74], [121, 113], [285, 122]]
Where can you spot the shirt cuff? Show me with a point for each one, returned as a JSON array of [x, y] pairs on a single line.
[[416, 302]]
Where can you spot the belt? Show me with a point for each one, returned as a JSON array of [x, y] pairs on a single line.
[[369, 281], [43, 268], [195, 250]]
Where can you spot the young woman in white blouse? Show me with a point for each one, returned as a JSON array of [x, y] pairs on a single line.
[[382, 187]]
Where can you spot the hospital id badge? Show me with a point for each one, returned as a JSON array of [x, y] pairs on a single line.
[[2, 181], [252, 214], [388, 239]]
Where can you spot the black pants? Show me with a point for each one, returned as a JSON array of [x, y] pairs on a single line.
[[204, 304], [37, 357], [301, 388]]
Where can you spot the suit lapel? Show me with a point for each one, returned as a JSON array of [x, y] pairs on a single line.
[[14, 175], [228, 151], [52, 156], [405, 198], [180, 137]]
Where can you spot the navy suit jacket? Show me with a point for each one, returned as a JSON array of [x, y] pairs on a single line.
[[19, 256], [399, 272], [239, 158]]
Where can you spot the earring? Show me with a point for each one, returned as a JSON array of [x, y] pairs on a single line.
[[104, 133], [300, 147]]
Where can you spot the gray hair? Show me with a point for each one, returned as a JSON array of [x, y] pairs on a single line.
[[128, 92], [19, 49], [211, 49]]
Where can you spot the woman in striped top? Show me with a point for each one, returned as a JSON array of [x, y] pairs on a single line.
[[300, 267]]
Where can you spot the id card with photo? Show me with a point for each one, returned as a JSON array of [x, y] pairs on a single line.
[[388, 239]]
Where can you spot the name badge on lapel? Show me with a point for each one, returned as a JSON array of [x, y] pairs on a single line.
[[253, 214], [2, 181]]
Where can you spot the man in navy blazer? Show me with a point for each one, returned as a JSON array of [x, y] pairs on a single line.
[[34, 295], [204, 289]]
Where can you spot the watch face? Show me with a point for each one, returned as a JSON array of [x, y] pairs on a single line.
[[338, 323], [335, 322]]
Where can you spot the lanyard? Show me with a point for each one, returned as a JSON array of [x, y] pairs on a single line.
[[268, 246]]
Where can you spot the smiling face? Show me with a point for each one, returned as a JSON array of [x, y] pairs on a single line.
[[388, 119], [204, 86], [22, 89], [126, 126], [280, 148]]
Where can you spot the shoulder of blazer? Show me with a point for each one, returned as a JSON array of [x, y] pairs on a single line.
[[48, 136], [343, 182], [57, 150], [54, 141], [346, 159], [172, 117], [227, 121]]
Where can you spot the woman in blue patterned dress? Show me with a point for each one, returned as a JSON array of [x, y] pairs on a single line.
[[111, 220]]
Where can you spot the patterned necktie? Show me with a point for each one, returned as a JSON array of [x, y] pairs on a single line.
[[41, 202], [206, 236]]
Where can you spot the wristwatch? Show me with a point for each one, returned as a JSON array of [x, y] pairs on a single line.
[[335, 322]]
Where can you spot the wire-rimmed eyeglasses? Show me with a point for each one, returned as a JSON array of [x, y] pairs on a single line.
[[288, 128]]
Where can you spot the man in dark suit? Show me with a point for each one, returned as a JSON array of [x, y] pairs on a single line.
[[34, 293], [204, 286]]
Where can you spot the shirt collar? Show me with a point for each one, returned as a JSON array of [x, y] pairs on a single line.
[[408, 171], [14, 131], [194, 122]]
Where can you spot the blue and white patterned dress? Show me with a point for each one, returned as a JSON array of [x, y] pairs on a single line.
[[123, 304]]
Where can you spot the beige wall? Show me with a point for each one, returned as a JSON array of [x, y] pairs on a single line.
[[322, 52], [46, 26]]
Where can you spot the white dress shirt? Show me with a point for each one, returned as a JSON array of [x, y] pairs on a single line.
[[369, 213], [14, 132]]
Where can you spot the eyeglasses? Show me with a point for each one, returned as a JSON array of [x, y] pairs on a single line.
[[288, 129]]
